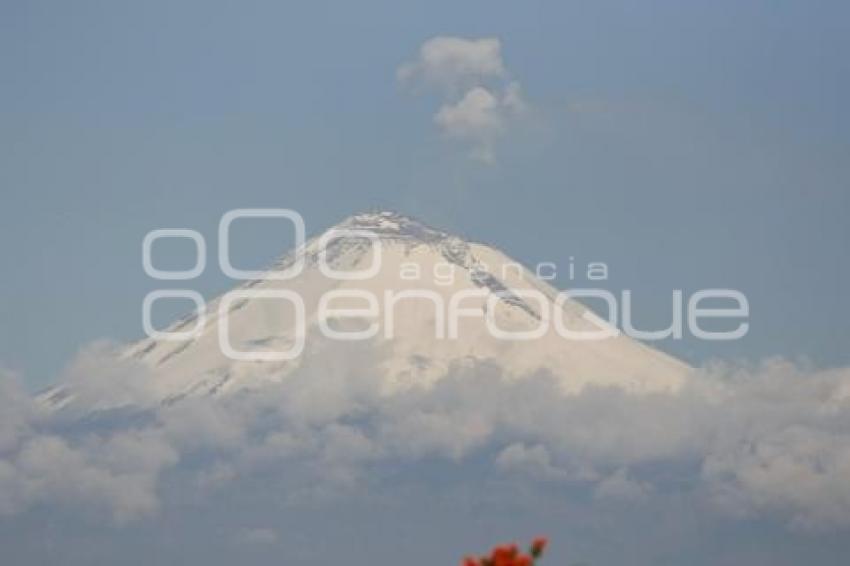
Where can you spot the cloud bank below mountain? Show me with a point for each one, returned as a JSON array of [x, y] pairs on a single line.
[[740, 448]]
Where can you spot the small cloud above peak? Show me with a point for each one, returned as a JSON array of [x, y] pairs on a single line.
[[480, 101], [455, 62]]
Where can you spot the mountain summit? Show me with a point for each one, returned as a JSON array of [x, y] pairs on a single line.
[[404, 305]]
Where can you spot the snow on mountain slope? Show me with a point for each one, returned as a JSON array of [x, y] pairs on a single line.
[[414, 355]]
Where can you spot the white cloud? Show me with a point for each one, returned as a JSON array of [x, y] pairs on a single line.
[[455, 63], [534, 461], [620, 486], [480, 117], [100, 376], [118, 473], [799, 471], [480, 103], [474, 116], [771, 441], [114, 470]]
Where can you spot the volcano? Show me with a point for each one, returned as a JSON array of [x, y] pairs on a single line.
[[414, 278]]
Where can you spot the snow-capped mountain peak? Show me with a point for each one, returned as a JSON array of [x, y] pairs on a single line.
[[421, 272], [393, 225]]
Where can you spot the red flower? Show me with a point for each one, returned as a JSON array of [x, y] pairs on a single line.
[[509, 555], [538, 546]]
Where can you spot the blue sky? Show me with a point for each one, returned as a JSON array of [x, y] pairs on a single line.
[[687, 146]]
